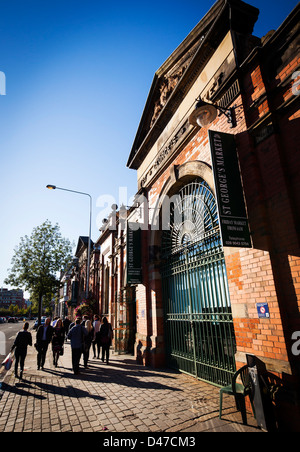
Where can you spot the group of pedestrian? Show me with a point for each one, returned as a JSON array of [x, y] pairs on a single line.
[[82, 334]]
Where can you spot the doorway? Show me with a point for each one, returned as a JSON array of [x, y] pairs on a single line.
[[199, 329]]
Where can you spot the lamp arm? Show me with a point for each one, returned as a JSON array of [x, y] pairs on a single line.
[[73, 191], [230, 114]]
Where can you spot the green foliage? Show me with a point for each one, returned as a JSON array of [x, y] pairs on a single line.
[[13, 310], [38, 259]]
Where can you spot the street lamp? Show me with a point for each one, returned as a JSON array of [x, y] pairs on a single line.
[[205, 113], [54, 187]]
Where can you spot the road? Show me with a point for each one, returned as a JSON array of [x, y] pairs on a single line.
[[8, 332]]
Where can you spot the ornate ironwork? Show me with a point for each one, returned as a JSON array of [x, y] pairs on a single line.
[[199, 327]]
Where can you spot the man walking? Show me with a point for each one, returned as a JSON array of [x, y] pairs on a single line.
[[22, 340], [76, 335], [43, 338]]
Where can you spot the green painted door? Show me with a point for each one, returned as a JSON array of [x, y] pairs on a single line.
[[199, 328]]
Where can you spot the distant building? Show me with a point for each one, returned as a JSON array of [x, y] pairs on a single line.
[[82, 256], [74, 290], [11, 297], [116, 294]]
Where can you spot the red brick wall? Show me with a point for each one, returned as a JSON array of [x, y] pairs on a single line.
[[254, 275], [270, 172]]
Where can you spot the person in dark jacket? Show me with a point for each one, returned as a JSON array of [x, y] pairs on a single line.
[[96, 339], [66, 325], [43, 338], [106, 336], [22, 340]]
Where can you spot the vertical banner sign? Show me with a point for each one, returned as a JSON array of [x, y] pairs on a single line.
[[74, 299], [230, 198], [133, 255]]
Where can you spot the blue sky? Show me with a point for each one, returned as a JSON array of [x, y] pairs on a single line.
[[77, 77]]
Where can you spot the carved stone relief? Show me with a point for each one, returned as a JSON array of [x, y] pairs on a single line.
[[169, 81], [166, 88]]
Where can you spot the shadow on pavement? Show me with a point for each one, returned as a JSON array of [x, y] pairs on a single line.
[[114, 373], [25, 388]]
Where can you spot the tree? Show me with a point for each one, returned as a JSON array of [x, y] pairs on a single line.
[[38, 259]]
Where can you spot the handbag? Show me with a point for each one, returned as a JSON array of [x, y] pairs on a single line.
[[7, 361], [61, 351]]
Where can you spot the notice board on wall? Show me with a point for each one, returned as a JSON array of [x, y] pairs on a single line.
[[229, 191], [133, 254]]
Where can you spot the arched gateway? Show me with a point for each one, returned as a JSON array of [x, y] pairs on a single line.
[[199, 330]]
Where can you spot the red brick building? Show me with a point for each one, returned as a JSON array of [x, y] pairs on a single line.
[[207, 299], [116, 294]]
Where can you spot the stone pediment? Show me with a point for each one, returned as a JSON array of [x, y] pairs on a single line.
[[82, 245], [172, 80]]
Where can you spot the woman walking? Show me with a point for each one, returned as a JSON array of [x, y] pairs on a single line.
[[58, 341], [22, 340], [106, 335]]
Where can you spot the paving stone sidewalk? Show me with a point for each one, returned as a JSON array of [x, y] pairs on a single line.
[[119, 397]]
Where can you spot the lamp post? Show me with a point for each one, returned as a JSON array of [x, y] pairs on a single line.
[[54, 187]]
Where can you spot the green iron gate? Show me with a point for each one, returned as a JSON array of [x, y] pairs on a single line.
[[199, 328]]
